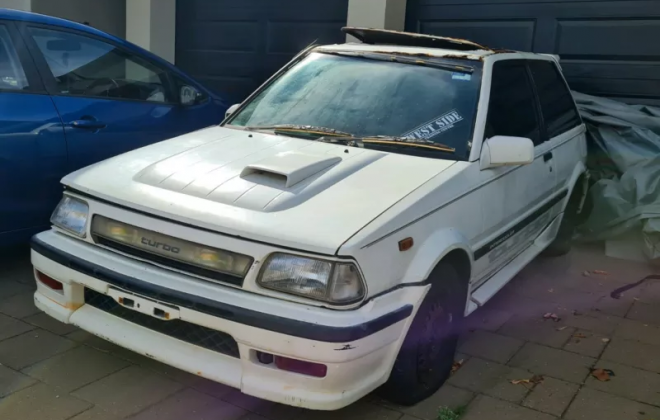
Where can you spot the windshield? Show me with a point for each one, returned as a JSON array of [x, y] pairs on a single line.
[[367, 97]]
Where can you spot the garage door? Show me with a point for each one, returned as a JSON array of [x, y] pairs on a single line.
[[232, 46], [608, 48]]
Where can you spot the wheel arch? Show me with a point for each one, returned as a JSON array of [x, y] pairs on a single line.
[[444, 245], [460, 260], [579, 172]]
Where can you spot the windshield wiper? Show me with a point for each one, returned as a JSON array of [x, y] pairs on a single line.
[[387, 140], [306, 129], [330, 135]]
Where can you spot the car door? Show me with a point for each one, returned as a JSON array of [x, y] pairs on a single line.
[[33, 154], [515, 199], [565, 138], [111, 100]]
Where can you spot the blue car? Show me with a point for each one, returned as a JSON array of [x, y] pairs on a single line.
[[70, 96]]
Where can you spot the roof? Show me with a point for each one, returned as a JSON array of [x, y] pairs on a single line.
[[421, 45], [415, 51], [11, 14], [388, 37]]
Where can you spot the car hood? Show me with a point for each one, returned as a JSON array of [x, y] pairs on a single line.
[[294, 193]]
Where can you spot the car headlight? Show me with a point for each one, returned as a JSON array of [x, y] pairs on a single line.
[[71, 214], [333, 282]]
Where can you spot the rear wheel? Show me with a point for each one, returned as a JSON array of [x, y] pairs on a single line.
[[427, 354], [571, 220]]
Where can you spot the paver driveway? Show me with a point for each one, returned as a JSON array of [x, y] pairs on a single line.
[[51, 371]]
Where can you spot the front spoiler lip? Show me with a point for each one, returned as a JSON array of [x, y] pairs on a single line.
[[232, 313]]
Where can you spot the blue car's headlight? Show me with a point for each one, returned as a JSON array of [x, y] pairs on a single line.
[[71, 214]]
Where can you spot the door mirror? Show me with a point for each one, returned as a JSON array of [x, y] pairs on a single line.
[[231, 110], [506, 151], [189, 95]]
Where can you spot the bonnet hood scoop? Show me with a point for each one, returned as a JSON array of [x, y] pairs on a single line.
[[286, 169], [278, 190]]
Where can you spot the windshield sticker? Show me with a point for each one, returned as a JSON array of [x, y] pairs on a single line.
[[461, 76], [434, 127]]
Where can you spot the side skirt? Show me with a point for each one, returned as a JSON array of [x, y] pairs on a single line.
[[497, 281]]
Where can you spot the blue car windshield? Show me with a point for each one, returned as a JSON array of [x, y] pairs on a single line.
[[367, 97]]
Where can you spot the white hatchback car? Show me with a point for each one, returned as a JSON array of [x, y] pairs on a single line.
[[329, 236]]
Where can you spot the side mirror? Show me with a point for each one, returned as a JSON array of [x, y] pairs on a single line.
[[189, 95], [231, 110], [506, 151]]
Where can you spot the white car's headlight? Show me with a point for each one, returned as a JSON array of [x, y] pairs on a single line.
[[71, 214], [333, 282]]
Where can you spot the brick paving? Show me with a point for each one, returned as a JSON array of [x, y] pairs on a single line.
[[51, 371]]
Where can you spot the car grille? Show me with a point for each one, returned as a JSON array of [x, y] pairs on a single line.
[[166, 262], [181, 330], [214, 264]]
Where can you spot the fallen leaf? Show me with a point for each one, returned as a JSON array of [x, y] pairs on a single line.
[[605, 340], [561, 328], [600, 272], [550, 315], [579, 335], [457, 365], [536, 379], [520, 381], [602, 375], [586, 274]]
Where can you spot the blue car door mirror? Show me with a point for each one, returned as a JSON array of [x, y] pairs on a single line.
[[189, 95]]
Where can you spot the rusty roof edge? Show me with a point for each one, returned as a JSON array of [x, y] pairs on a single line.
[[354, 31]]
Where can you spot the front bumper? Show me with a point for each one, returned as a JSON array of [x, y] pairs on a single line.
[[358, 347]]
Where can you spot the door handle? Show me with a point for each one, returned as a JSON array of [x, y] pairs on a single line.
[[547, 157], [87, 124]]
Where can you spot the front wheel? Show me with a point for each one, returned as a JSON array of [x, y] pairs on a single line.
[[427, 354]]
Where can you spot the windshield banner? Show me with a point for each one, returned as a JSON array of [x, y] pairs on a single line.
[[434, 127]]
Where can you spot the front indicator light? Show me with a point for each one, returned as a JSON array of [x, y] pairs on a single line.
[[293, 365], [49, 282], [299, 366]]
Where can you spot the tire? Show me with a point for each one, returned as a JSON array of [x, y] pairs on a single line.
[[563, 242], [426, 357]]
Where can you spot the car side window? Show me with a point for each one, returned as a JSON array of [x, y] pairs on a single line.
[[84, 66], [12, 76], [512, 110], [557, 105]]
